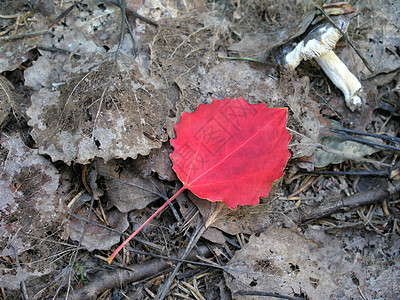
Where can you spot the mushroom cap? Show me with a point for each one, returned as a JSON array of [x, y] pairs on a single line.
[[323, 38]]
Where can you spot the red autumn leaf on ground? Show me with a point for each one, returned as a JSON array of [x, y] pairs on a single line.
[[231, 151], [228, 151]]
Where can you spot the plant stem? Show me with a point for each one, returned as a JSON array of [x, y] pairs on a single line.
[[110, 259]]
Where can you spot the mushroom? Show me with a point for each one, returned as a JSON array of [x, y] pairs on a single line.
[[318, 45]]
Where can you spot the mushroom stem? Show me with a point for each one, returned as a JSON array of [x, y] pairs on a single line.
[[340, 75], [294, 57]]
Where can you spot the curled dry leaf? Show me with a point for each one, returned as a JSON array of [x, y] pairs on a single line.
[[347, 148], [111, 110]]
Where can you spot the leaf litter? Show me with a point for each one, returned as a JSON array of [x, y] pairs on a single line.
[[186, 69]]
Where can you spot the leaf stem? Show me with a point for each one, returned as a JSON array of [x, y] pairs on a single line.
[[110, 259]]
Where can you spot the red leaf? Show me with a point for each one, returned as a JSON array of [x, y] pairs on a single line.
[[231, 151], [228, 151]]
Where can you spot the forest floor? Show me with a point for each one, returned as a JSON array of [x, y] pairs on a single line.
[[88, 104]]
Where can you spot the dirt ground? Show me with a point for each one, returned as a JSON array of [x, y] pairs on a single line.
[[88, 104]]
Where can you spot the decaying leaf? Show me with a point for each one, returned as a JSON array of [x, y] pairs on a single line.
[[94, 28], [28, 202], [126, 187], [157, 163], [94, 236], [13, 282], [105, 107], [348, 148], [283, 262], [377, 39], [257, 45]]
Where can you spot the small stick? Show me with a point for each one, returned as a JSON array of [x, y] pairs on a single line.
[[379, 136], [193, 241], [383, 173], [265, 294], [114, 278], [136, 15], [23, 35], [366, 142], [9, 16], [368, 197], [241, 58], [61, 16], [58, 50]]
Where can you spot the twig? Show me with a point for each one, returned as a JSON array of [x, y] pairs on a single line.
[[58, 50], [375, 135], [383, 173], [265, 294], [62, 15], [115, 278], [347, 39], [9, 16], [365, 141], [136, 15], [22, 284], [204, 264], [240, 58], [23, 35], [193, 241], [125, 22], [368, 197]]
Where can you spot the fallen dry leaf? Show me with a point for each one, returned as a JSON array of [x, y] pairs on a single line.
[[96, 237], [103, 106], [126, 187], [284, 262], [28, 201], [377, 37]]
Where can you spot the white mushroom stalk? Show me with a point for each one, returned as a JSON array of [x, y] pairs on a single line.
[[318, 44], [340, 76]]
